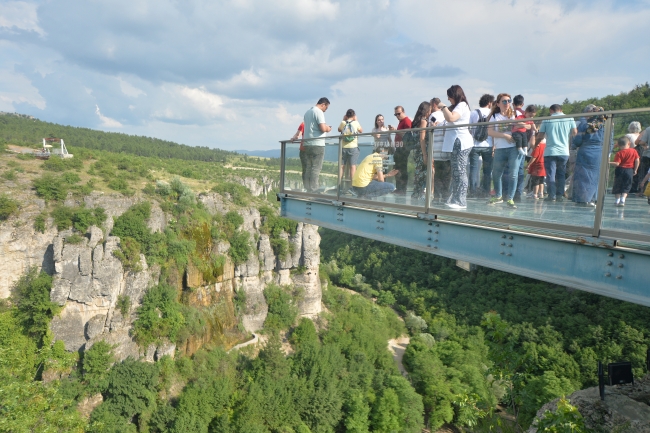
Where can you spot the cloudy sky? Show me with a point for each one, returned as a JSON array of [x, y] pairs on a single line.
[[239, 74]]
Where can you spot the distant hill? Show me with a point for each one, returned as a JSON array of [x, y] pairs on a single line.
[[28, 131], [273, 153]]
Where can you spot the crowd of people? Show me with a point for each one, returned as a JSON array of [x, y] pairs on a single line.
[[489, 161]]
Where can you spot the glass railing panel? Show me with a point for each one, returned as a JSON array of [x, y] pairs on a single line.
[[466, 182], [625, 208], [311, 166], [387, 173], [293, 169]]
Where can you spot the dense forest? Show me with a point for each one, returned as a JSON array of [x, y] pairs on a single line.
[[537, 341]]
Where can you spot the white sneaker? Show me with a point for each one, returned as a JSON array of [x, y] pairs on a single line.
[[455, 206]]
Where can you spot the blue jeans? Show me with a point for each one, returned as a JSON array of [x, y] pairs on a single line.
[[513, 158], [374, 189], [555, 175], [520, 179], [486, 154]]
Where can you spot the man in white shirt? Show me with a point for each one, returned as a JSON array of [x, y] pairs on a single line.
[[481, 150], [313, 139]]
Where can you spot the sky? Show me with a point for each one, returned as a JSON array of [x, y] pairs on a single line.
[[240, 74]]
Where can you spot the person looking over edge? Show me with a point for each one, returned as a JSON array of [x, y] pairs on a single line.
[[420, 155], [350, 152], [482, 149], [315, 127], [505, 151], [368, 181], [459, 142], [401, 154], [558, 133]]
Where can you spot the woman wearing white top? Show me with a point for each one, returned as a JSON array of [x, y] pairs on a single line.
[[382, 140], [459, 142], [505, 150]]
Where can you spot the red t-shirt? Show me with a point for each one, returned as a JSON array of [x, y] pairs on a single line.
[[405, 123], [536, 168], [520, 115], [626, 157]]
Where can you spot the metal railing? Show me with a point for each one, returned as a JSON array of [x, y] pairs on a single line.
[[628, 225]]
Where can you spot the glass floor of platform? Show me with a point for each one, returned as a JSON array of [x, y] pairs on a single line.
[[633, 217]]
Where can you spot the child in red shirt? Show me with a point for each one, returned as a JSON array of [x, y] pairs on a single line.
[[537, 171], [626, 161]]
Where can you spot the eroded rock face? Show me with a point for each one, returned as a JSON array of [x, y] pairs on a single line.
[[87, 283], [625, 408]]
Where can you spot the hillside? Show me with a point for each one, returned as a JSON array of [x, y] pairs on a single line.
[[29, 131]]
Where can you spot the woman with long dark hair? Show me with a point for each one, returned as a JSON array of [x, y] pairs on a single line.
[[505, 151], [459, 142], [420, 152]]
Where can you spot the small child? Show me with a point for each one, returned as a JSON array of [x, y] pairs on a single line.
[[626, 162], [537, 171], [520, 129]]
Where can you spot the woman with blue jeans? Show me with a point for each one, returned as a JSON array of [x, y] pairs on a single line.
[[505, 151]]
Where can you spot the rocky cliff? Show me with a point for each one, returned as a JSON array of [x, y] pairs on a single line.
[[625, 408], [89, 279]]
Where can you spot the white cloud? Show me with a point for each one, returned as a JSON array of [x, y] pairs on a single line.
[[129, 89], [240, 73], [16, 15], [16, 89], [107, 122], [287, 118]]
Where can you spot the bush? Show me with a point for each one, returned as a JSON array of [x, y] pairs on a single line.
[[34, 310], [80, 218], [234, 219], [39, 222], [7, 206], [133, 224], [74, 239], [121, 185], [282, 311], [129, 254], [566, 419], [71, 178], [50, 187], [240, 247], [159, 316], [124, 304], [239, 194], [59, 164], [96, 362]]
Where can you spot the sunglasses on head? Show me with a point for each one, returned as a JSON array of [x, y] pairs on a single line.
[[506, 101]]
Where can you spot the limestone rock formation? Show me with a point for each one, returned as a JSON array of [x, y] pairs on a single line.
[[87, 283], [625, 408]]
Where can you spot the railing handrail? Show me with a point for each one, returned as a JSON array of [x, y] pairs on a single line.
[[471, 125]]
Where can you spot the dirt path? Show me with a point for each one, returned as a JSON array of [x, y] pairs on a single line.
[[397, 347], [253, 340]]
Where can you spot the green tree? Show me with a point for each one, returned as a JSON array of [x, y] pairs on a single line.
[[34, 310], [96, 362]]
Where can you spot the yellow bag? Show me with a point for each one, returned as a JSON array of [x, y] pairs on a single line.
[[647, 190]]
